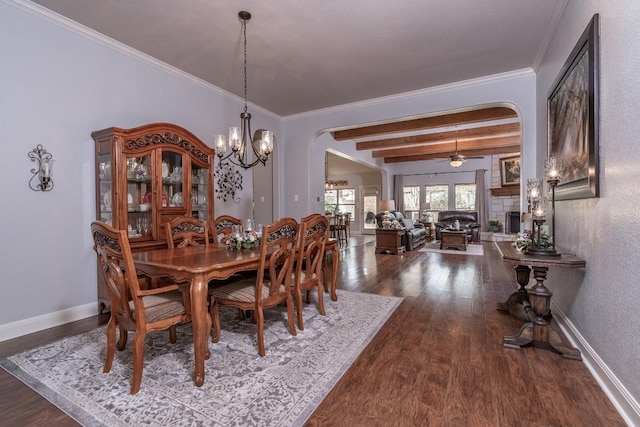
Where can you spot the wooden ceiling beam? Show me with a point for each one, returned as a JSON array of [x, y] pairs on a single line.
[[449, 148], [465, 117], [477, 132], [479, 152]]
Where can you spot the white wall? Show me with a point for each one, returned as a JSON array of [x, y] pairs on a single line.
[[601, 301], [58, 83]]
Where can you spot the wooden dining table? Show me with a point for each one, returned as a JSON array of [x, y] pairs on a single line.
[[197, 265]]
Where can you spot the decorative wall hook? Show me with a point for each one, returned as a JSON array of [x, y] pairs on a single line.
[[41, 179]]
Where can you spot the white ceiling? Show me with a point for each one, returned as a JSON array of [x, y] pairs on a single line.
[[307, 55]]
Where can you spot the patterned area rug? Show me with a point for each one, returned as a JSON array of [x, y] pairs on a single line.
[[472, 249], [240, 389]]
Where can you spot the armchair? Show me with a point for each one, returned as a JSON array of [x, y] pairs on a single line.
[[468, 222], [415, 234]]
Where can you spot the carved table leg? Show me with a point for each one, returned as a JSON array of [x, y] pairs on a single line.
[[538, 331], [521, 295]]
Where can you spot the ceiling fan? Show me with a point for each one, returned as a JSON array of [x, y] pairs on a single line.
[[458, 159]]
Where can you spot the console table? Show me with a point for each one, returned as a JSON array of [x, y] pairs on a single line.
[[390, 240], [536, 300]]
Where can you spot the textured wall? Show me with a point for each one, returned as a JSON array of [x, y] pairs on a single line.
[[601, 301]]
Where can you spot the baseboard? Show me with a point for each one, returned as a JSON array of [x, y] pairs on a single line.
[[35, 324], [621, 399]]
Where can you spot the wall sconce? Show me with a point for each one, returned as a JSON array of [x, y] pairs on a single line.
[[41, 179]]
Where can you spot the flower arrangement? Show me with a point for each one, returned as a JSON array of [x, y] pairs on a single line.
[[244, 240], [522, 240], [527, 239]]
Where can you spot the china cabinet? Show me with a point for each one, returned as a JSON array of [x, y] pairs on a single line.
[[145, 177]]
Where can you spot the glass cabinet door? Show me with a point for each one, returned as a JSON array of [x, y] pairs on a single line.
[[140, 204], [172, 179], [105, 208], [199, 192]]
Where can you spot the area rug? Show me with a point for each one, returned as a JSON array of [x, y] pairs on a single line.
[[240, 389], [474, 249]]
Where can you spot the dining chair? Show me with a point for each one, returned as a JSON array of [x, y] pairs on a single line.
[[184, 231], [134, 309], [223, 226], [347, 225], [314, 232], [272, 284], [338, 229]]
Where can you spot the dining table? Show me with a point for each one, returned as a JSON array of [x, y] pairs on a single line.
[[196, 266]]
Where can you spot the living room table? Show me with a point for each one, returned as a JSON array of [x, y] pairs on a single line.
[[197, 265], [453, 239], [536, 300]]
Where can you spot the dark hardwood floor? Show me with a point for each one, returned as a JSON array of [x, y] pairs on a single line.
[[438, 361]]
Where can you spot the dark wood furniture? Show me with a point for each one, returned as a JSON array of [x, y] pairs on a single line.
[[186, 231], [338, 228], [270, 287], [331, 247], [314, 232], [429, 232], [134, 309], [453, 239], [147, 176], [537, 299], [196, 266], [389, 240], [223, 226]]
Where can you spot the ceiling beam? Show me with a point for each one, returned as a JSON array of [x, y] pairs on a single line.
[[479, 152], [477, 132], [465, 117], [449, 148]]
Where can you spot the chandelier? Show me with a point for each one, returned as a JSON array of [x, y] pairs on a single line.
[[328, 183], [240, 140]]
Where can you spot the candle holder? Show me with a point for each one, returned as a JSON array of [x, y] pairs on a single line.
[[41, 179]]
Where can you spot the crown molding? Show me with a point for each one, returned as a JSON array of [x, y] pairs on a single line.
[[90, 34], [479, 81]]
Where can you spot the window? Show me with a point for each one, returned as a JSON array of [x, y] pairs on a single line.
[[341, 200], [465, 197], [412, 201], [438, 197]]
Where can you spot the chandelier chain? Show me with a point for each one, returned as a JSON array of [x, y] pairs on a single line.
[[244, 33]]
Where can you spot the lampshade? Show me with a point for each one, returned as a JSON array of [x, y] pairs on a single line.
[[425, 206], [455, 163], [553, 168], [387, 205]]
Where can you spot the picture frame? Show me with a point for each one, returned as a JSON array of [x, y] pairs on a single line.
[[573, 118], [509, 171]]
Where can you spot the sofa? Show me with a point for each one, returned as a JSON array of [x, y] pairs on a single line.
[[415, 234], [468, 222]]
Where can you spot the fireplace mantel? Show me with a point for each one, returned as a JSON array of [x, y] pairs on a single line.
[[513, 190]]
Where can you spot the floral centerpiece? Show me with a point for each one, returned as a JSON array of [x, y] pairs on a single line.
[[244, 240], [527, 239], [522, 240]]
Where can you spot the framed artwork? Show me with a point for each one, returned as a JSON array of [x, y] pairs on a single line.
[[572, 108], [510, 171]]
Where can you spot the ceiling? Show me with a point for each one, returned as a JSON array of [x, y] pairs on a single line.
[[308, 55]]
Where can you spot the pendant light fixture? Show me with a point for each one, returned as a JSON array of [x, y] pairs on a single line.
[[240, 139]]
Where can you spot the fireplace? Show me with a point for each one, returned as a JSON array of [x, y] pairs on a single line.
[[512, 222]]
